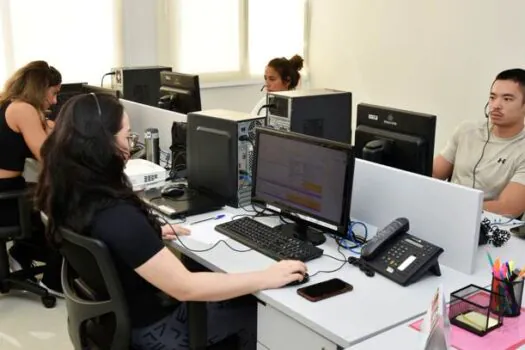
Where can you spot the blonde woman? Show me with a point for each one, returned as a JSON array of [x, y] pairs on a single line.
[[26, 97]]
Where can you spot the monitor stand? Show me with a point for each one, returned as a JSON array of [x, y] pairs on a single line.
[[302, 232]]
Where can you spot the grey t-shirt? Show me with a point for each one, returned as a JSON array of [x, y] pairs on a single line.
[[502, 162]]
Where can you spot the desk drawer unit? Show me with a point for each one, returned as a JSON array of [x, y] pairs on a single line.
[[277, 331]]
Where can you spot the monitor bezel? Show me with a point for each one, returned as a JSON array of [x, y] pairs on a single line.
[[291, 212]]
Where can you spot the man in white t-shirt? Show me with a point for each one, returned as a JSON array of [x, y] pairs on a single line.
[[490, 155]]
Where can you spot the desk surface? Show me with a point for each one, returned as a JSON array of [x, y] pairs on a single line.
[[374, 306]]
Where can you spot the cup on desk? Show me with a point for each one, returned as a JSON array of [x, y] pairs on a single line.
[[511, 292]]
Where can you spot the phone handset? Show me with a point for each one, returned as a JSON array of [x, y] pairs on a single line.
[[393, 229]]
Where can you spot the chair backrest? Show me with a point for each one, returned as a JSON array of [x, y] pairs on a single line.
[[24, 227], [94, 294]]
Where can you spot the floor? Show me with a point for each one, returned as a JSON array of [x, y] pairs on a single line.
[[26, 324]]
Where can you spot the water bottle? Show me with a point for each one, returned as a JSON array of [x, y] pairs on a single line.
[[151, 141]]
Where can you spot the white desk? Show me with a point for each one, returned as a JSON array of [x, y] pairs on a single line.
[[404, 337], [287, 321]]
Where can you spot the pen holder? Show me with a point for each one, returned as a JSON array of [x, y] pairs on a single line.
[[470, 310], [511, 292]]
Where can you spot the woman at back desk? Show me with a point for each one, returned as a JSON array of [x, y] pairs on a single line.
[[26, 97], [281, 74]]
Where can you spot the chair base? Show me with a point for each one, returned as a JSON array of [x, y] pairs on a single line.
[[14, 282]]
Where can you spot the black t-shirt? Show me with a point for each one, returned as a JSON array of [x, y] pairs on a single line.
[[133, 241]]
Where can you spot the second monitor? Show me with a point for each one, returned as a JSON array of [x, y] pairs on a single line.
[[179, 92], [305, 179], [394, 137]]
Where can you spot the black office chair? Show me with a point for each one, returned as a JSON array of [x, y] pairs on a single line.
[[97, 312], [20, 279], [96, 307]]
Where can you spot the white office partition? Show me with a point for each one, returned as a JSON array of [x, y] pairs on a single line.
[[442, 213], [143, 116]]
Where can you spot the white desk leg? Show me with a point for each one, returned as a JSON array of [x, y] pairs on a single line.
[[277, 331]]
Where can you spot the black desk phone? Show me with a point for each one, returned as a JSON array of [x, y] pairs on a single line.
[[400, 256]]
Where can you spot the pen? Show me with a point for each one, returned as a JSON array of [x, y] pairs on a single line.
[[491, 262], [508, 271], [217, 217], [496, 267]]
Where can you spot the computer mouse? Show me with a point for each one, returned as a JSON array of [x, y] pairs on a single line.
[[306, 278], [173, 191]]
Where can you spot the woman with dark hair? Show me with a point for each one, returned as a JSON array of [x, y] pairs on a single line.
[[83, 187], [26, 97], [281, 74]]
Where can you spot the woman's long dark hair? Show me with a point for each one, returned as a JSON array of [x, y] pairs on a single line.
[[83, 167]]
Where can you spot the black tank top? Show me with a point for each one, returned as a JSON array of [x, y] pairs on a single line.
[[13, 149]]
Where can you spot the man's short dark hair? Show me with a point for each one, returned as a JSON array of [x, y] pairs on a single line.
[[516, 75]]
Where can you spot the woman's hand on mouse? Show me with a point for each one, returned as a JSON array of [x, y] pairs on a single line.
[[284, 272], [170, 232]]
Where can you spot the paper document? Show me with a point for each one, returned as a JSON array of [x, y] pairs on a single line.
[[204, 232]]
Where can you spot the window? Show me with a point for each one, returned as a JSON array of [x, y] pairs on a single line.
[[76, 37], [3, 61], [276, 28], [3, 43], [232, 39], [210, 42]]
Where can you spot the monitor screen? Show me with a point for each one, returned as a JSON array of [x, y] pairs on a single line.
[[308, 177]]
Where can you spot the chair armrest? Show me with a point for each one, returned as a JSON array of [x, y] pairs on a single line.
[[13, 194], [24, 209]]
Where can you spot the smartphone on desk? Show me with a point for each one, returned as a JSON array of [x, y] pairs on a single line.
[[324, 290]]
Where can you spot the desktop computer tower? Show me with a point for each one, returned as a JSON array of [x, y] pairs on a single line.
[[220, 153], [138, 84], [323, 113]]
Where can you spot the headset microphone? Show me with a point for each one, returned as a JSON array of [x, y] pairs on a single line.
[[262, 88], [486, 110]]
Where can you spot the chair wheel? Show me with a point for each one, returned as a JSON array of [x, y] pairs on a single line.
[[49, 301]]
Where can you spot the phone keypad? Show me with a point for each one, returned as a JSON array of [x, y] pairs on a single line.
[[395, 255]]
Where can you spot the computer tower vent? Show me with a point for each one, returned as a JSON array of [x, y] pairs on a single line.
[[251, 129]]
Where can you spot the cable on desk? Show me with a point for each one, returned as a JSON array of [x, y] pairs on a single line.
[[244, 207], [202, 250], [344, 262], [357, 241]]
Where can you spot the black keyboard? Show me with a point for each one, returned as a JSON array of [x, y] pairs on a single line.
[[268, 241]]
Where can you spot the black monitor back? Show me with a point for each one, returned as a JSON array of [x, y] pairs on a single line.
[[179, 92], [408, 137], [67, 90]]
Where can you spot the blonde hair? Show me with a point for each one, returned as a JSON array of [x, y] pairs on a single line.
[[30, 83]]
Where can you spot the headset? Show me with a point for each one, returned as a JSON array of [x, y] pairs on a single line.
[[98, 104], [486, 112]]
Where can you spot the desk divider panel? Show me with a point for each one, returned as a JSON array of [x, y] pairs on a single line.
[[440, 212], [143, 116]]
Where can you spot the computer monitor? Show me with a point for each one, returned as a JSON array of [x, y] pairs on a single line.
[[305, 179], [179, 92], [67, 90], [396, 138], [101, 90]]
